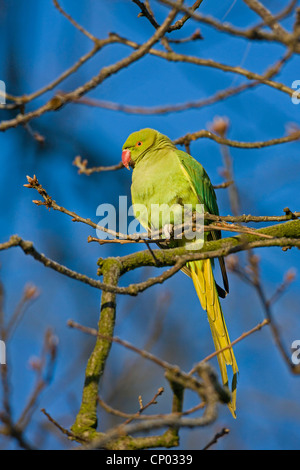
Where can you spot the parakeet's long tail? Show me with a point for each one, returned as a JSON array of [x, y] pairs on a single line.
[[204, 282]]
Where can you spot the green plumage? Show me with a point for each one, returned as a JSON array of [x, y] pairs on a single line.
[[162, 174], [166, 175]]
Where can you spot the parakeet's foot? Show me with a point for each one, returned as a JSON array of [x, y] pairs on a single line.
[[168, 231]]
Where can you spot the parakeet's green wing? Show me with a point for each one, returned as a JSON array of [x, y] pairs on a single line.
[[201, 184], [200, 181]]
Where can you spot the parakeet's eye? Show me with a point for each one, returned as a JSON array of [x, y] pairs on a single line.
[[138, 144]]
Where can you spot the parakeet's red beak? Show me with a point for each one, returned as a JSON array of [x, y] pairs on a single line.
[[126, 158]]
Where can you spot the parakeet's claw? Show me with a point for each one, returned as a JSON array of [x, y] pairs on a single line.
[[168, 231]]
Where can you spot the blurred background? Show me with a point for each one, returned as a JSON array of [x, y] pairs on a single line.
[[36, 45]]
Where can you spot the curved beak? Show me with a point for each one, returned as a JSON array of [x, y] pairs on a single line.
[[126, 158]]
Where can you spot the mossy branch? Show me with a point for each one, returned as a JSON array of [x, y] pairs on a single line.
[[284, 235], [86, 421]]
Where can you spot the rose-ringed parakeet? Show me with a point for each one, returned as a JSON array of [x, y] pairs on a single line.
[[162, 174]]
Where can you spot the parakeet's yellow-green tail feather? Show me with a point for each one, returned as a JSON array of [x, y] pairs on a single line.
[[203, 279]]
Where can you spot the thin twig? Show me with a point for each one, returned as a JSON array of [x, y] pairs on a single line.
[[66, 432], [240, 338], [82, 167], [215, 439], [144, 407]]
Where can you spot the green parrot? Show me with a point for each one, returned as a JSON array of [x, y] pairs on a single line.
[[162, 174]]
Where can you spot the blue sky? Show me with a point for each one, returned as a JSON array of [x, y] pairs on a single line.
[[36, 45]]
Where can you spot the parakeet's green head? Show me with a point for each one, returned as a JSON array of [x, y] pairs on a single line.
[[138, 144]]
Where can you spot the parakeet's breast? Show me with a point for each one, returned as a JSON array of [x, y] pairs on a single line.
[[158, 179], [153, 179]]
